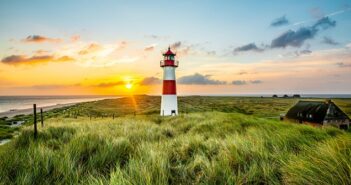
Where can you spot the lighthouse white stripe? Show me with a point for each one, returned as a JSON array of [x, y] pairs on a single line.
[[169, 73], [169, 104]]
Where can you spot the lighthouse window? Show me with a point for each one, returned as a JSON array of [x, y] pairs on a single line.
[[171, 57]]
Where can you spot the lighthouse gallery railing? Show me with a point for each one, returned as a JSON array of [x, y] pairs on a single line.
[[169, 63]]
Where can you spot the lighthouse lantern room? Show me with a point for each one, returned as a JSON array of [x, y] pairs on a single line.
[[169, 105]]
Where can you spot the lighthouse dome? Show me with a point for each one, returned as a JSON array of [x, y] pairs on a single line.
[[169, 52]]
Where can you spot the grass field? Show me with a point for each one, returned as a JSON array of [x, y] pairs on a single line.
[[216, 140]]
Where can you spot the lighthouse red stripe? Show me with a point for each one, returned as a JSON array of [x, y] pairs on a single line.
[[169, 87]]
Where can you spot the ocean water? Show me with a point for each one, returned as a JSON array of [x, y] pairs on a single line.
[[24, 102]]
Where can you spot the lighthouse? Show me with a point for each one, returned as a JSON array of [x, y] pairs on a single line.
[[169, 104]]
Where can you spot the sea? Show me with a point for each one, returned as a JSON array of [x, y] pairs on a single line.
[[8, 103]]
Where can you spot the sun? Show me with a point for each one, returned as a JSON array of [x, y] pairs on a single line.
[[129, 85]]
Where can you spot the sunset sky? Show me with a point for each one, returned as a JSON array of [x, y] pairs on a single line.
[[84, 47]]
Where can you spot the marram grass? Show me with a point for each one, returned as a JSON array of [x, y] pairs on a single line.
[[195, 148]]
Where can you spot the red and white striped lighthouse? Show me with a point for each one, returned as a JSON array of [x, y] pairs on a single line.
[[169, 104]]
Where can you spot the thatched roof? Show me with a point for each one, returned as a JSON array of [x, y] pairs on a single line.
[[315, 111]]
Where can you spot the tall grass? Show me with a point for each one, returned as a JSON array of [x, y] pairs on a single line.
[[196, 148]]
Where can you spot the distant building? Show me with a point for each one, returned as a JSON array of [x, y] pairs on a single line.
[[318, 113], [296, 96]]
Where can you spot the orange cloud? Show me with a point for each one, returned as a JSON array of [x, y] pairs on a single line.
[[149, 48], [150, 81], [22, 59], [123, 45], [41, 52], [110, 84], [40, 39], [91, 48], [75, 38]]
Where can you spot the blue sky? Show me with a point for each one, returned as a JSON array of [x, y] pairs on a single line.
[[210, 34]]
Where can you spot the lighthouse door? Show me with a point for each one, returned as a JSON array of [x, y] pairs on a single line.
[[173, 112]]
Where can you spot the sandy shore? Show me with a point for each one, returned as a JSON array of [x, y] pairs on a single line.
[[13, 113]]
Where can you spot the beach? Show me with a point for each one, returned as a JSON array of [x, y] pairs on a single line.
[[11, 106], [13, 113]]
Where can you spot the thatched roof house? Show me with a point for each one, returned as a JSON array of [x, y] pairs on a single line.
[[318, 113]]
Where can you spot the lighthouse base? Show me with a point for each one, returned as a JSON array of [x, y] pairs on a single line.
[[169, 105]]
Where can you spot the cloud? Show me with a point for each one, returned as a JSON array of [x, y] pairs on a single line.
[[243, 82], [75, 38], [46, 87], [330, 41], [239, 82], [293, 38], [324, 23], [93, 47], [157, 37], [40, 39], [242, 73], [152, 36], [176, 45], [256, 81], [150, 47], [247, 47], [297, 38], [109, 84], [22, 59], [199, 79], [50, 87], [150, 81], [123, 45], [280, 21], [342, 64], [183, 49], [297, 53], [41, 52], [211, 53], [305, 52]]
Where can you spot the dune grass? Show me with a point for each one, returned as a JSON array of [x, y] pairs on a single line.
[[195, 148], [149, 105]]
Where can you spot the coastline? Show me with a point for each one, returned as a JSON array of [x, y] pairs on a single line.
[[25, 111], [13, 113]]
